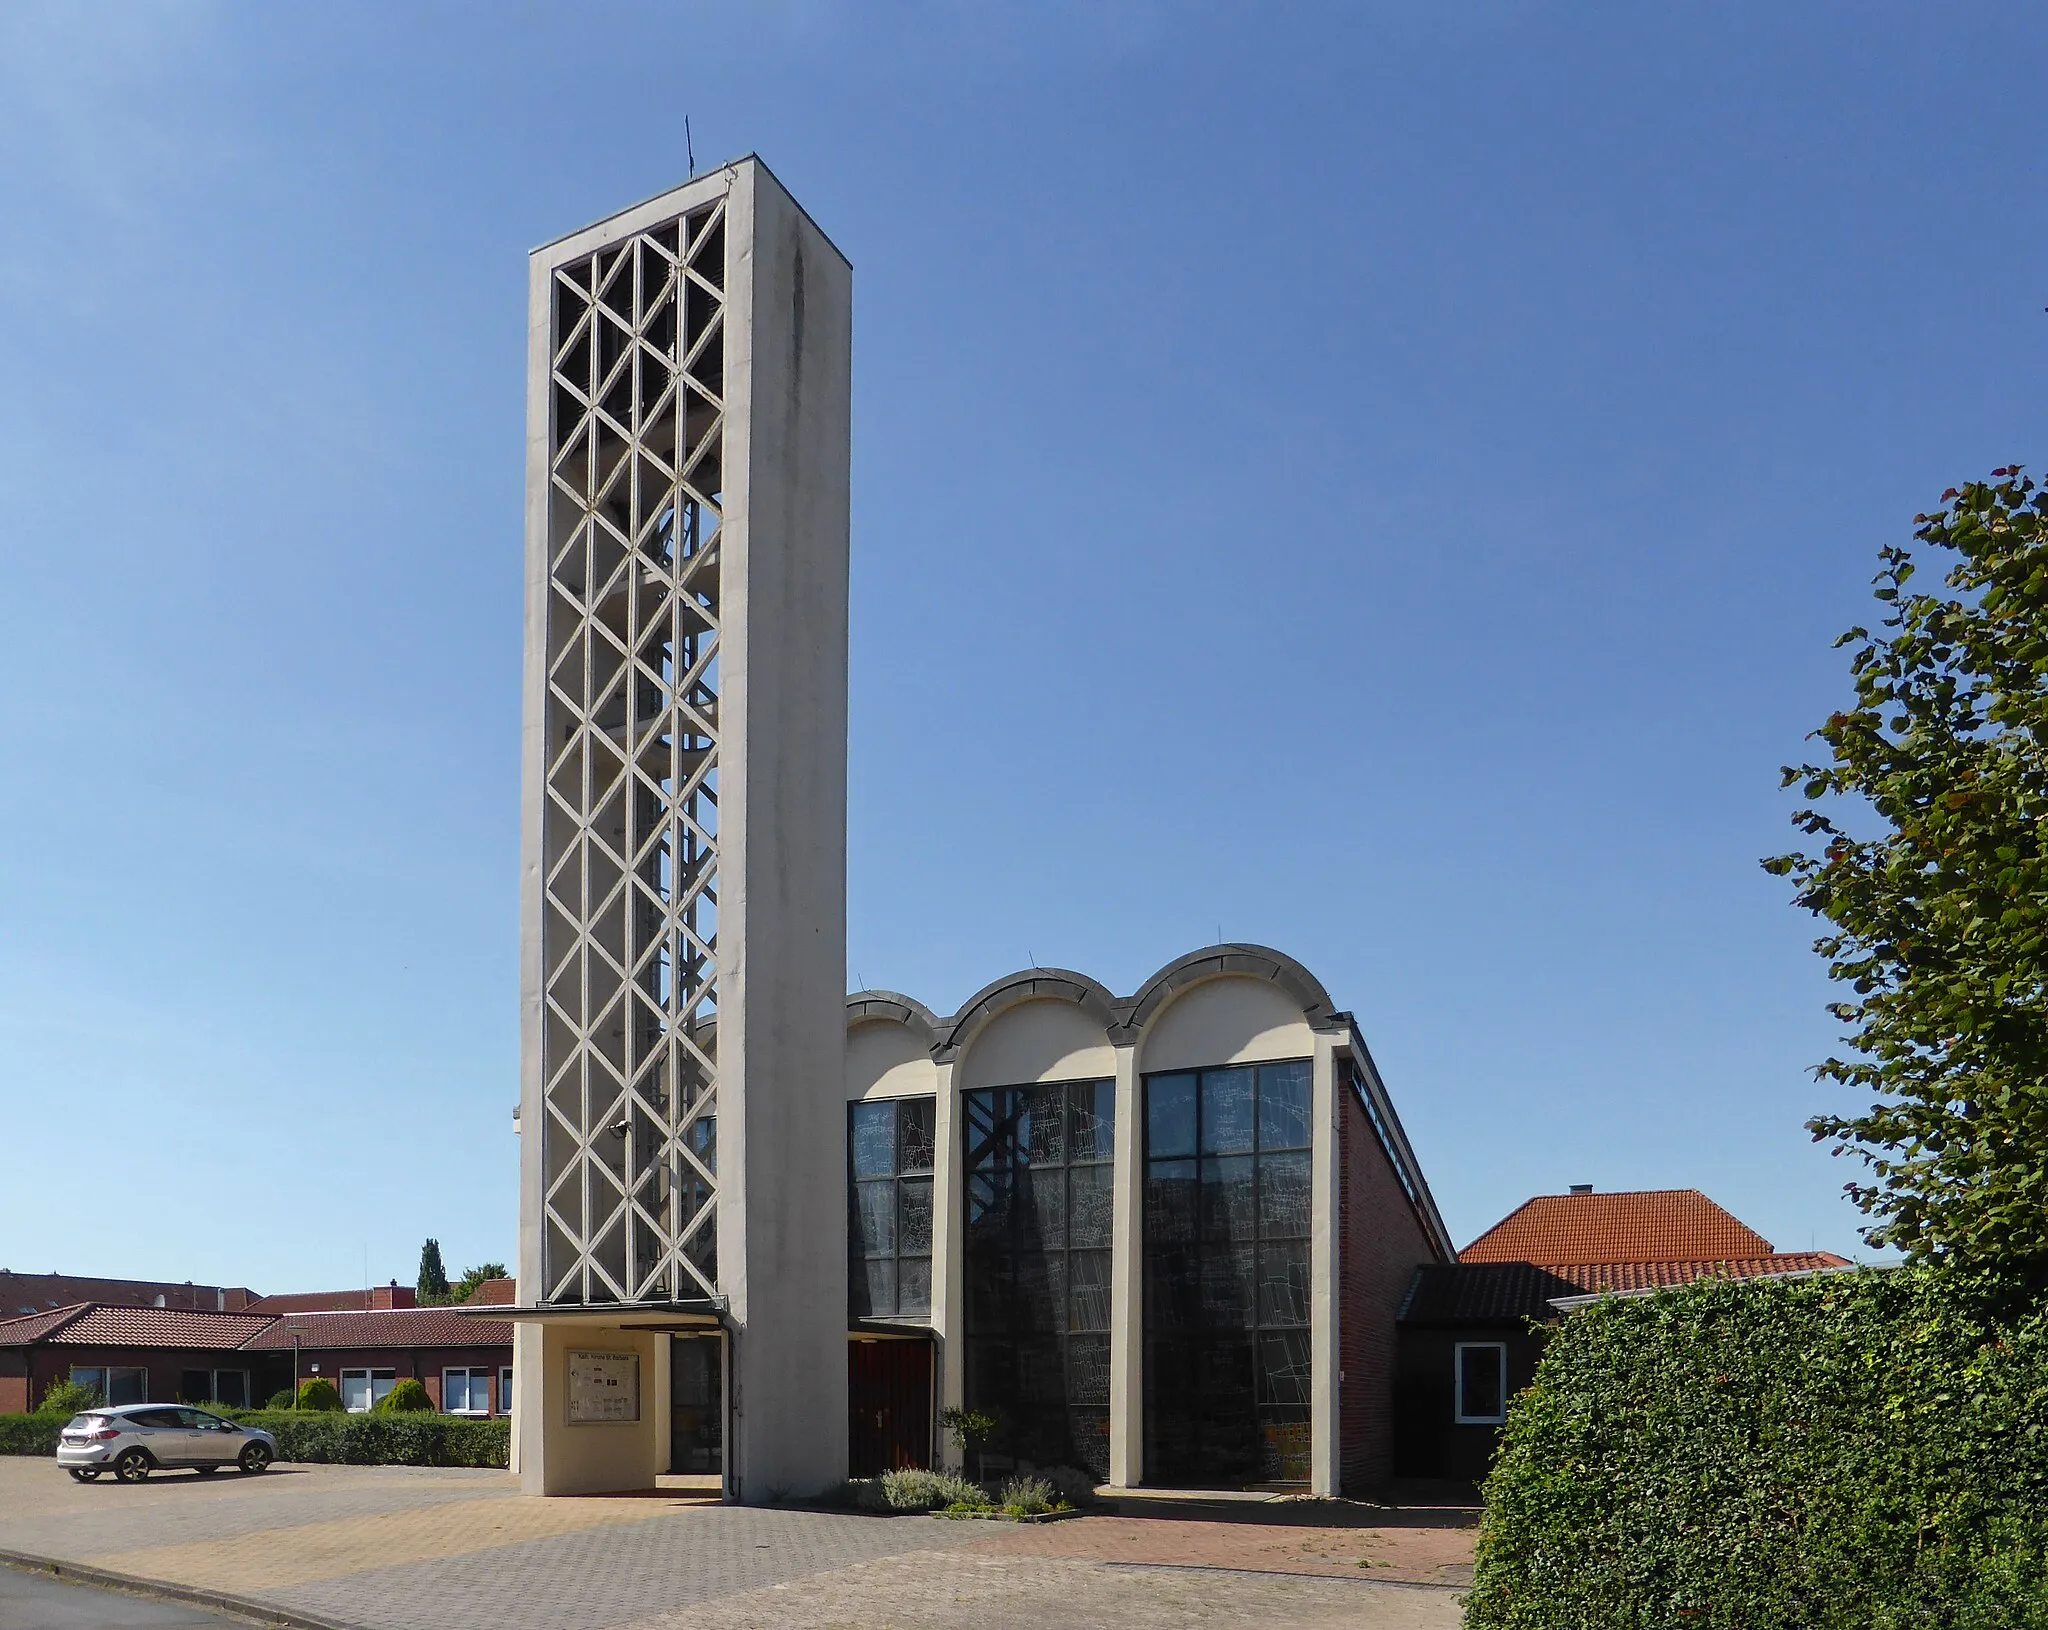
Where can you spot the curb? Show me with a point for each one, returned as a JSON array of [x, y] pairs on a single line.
[[247, 1607], [1284, 1573]]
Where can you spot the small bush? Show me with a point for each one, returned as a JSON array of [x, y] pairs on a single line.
[[1028, 1496], [917, 1490], [317, 1392], [408, 1397], [1071, 1484], [30, 1434], [66, 1398], [280, 1400]]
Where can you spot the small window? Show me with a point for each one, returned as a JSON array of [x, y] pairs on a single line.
[[1482, 1383], [466, 1392], [505, 1390], [118, 1385], [363, 1390]]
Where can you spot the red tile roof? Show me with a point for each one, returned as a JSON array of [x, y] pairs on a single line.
[[93, 1325], [1508, 1292], [1646, 1225], [396, 1327]]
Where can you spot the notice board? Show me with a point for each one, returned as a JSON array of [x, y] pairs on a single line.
[[603, 1387]]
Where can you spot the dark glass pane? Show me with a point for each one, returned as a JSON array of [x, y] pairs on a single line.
[[1227, 1287], [988, 1204], [1224, 1370], [1033, 1306], [916, 1143], [1482, 1385], [914, 1285], [1041, 1209], [1170, 1194], [875, 1203], [1047, 1144], [1169, 1116], [1090, 1203], [1173, 1287], [981, 1128], [1088, 1431], [1285, 1450], [857, 1304], [1283, 1196], [991, 1375], [1041, 1375], [1283, 1105], [1226, 1112], [990, 1291], [1087, 1379], [914, 1216], [1283, 1283], [874, 1140], [1088, 1290], [1227, 1199], [881, 1285], [1092, 1134], [1284, 1367]]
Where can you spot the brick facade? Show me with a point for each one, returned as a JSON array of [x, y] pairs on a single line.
[[1381, 1242]]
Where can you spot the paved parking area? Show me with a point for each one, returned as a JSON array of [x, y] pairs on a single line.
[[408, 1548]]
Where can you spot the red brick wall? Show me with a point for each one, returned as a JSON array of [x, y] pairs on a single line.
[[1380, 1243]]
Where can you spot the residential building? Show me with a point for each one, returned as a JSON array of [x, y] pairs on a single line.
[[1471, 1332], [40, 1292]]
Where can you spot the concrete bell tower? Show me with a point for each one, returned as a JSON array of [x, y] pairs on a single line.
[[683, 865]]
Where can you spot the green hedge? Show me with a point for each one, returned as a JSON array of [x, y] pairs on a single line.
[[317, 1435], [1861, 1451]]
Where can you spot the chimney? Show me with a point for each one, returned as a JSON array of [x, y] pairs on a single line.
[[1582, 1188]]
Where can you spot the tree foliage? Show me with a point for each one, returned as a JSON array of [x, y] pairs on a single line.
[[466, 1286], [433, 1281], [1938, 918]]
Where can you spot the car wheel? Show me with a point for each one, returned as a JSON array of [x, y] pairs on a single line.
[[82, 1474], [133, 1466], [256, 1458]]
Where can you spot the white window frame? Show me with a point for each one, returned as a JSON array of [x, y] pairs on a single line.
[[104, 1385], [1458, 1382], [374, 1379], [470, 1378]]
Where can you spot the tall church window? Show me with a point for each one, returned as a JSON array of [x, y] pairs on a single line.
[[889, 1193], [1226, 1254], [1037, 1270]]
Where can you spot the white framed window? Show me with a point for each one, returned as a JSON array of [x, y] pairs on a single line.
[[466, 1392], [363, 1390], [505, 1390], [1482, 1368], [120, 1384]]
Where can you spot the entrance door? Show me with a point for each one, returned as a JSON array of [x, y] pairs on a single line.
[[889, 1404], [696, 1404]]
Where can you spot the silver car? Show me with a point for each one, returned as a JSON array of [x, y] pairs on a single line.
[[134, 1440]]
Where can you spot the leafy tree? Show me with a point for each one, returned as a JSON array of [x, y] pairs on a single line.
[[1938, 906], [465, 1287], [433, 1283]]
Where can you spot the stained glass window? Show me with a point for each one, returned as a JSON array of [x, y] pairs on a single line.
[[889, 1146], [1226, 1255], [1037, 1267]]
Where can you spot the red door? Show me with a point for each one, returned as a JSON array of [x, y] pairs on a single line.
[[889, 1400]]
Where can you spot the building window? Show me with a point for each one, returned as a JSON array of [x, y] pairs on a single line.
[[505, 1390], [116, 1385], [228, 1388], [1039, 1198], [363, 1390], [1482, 1383], [889, 1194], [466, 1392], [1227, 1224]]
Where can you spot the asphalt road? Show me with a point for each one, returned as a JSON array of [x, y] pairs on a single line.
[[35, 1601]]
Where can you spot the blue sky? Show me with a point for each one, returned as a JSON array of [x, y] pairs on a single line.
[[1377, 480]]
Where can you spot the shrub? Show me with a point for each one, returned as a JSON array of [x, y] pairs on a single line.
[[1848, 1452], [917, 1490], [66, 1398], [1071, 1484], [30, 1434], [1027, 1496], [280, 1400], [409, 1396], [317, 1392]]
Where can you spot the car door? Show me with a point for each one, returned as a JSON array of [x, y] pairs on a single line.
[[212, 1441], [164, 1434]]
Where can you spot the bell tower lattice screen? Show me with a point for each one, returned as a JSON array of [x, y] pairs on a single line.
[[629, 824]]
